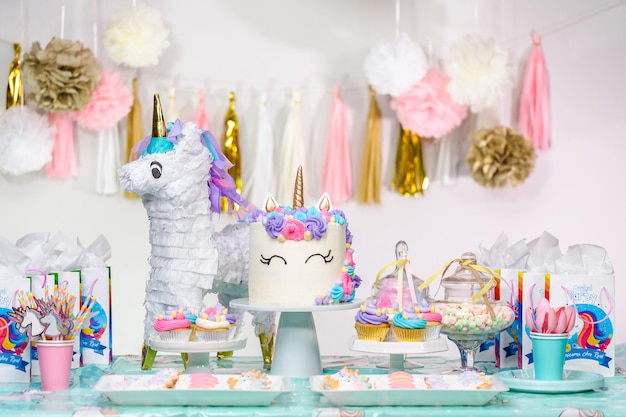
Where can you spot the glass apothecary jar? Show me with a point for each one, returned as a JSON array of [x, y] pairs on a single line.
[[470, 315]]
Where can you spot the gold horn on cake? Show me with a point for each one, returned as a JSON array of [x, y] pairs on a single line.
[[298, 190], [158, 121]]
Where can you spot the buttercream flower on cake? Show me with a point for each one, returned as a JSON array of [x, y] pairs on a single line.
[[294, 230]]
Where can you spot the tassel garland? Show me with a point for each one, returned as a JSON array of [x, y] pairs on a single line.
[[260, 175], [369, 180], [230, 147], [15, 88], [409, 176], [337, 177], [173, 113], [63, 162], [290, 151], [107, 182], [534, 108], [200, 117], [134, 133]]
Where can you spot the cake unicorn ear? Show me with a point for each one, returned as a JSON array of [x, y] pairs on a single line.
[[270, 204], [298, 190], [325, 203]]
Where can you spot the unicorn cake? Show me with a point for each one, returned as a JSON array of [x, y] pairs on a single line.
[[300, 256]]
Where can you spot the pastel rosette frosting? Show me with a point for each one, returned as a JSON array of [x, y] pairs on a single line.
[[173, 319], [369, 313], [545, 319], [427, 312], [293, 229], [408, 319]]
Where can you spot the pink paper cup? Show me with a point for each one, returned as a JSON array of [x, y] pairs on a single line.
[[55, 363]]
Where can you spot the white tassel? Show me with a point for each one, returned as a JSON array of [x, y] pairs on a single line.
[[290, 152], [107, 182], [446, 170], [172, 111], [260, 176]]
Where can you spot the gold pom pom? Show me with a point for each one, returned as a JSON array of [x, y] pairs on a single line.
[[499, 157]]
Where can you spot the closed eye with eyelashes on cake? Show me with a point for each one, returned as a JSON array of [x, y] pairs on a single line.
[[328, 258], [267, 261]]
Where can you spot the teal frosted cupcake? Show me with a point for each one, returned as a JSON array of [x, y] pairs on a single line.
[[407, 326]]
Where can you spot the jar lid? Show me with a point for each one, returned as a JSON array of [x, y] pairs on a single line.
[[387, 283], [465, 281]]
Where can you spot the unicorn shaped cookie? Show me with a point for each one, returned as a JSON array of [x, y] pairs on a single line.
[[181, 175]]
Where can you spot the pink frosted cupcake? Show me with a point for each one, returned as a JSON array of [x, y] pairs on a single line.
[[173, 325], [433, 320]]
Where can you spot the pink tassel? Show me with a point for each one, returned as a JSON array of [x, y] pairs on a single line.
[[534, 109], [336, 178], [63, 159], [200, 117]]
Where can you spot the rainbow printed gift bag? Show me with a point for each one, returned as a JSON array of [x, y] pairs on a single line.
[[590, 346], [14, 345], [96, 335]]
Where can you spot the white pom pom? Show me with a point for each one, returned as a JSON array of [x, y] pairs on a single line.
[[136, 36], [26, 140], [479, 71], [393, 67]]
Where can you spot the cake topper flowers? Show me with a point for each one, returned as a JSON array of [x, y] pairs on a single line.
[[545, 319]]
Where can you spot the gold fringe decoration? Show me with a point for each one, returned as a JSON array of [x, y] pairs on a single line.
[[500, 156], [135, 130], [369, 180], [298, 190], [230, 147], [15, 88], [409, 176]]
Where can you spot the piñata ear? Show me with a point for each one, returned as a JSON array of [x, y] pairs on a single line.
[[325, 203], [270, 204]]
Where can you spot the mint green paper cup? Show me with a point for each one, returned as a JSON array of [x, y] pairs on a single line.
[[549, 355]]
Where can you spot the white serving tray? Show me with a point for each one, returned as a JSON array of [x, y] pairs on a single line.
[[196, 397], [453, 396]]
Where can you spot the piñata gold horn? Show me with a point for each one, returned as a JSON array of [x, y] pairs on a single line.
[[298, 190], [158, 121]]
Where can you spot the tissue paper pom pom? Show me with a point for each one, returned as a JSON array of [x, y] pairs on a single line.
[[110, 101], [479, 72], [26, 140], [136, 36], [427, 109], [62, 76], [500, 156], [394, 67]]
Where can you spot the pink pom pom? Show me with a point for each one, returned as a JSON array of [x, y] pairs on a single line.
[[110, 101], [427, 109]]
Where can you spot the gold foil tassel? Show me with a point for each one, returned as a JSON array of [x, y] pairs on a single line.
[[230, 147], [15, 89], [409, 176], [369, 179], [298, 190], [134, 134]]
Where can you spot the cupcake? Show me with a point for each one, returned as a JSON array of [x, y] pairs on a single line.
[[173, 326], [433, 320], [407, 326], [212, 325], [371, 322]]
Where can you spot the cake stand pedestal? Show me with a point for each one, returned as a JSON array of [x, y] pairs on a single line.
[[398, 350], [296, 349], [198, 352]]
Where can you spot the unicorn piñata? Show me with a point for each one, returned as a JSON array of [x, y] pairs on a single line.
[[181, 175]]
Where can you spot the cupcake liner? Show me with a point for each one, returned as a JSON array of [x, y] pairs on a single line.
[[408, 335], [179, 335], [432, 331], [371, 332], [211, 335]]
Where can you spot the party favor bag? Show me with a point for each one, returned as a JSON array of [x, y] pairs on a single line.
[[585, 279]]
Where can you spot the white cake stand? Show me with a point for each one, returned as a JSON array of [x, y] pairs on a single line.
[[296, 349], [198, 359], [397, 350]]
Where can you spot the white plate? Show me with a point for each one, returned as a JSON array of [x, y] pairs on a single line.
[[455, 395], [196, 347], [438, 345], [197, 397], [245, 304]]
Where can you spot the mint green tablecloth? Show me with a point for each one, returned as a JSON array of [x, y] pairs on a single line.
[[81, 400]]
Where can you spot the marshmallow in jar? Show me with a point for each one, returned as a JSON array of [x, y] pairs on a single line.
[[467, 314]]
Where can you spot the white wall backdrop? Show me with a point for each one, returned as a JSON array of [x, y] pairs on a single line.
[[575, 193]]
